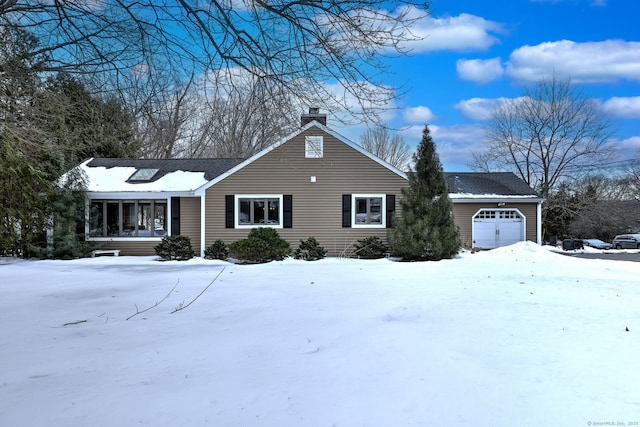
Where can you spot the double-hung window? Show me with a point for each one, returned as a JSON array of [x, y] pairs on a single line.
[[258, 211], [368, 210]]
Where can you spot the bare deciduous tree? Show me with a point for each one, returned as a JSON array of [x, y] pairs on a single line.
[[208, 117], [242, 118], [547, 136], [631, 180], [160, 123], [601, 208], [298, 45], [390, 148]]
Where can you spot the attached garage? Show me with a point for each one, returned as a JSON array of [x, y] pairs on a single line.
[[494, 209], [493, 228]]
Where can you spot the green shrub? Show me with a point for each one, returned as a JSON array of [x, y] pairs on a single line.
[[370, 248], [175, 248], [309, 250], [217, 250], [261, 245]]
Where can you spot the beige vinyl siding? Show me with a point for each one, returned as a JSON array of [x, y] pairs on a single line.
[[190, 221], [463, 216], [317, 206], [141, 247]]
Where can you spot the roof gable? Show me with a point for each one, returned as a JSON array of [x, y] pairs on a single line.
[[291, 136]]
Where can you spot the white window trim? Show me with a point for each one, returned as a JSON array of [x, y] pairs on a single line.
[[88, 237], [383, 224], [313, 146], [236, 210], [124, 239]]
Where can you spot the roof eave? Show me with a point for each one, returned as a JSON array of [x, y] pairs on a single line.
[[140, 194], [495, 199]]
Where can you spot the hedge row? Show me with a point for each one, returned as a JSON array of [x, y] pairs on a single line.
[[262, 245]]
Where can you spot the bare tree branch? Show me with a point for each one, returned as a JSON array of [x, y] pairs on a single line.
[[182, 306], [138, 311], [390, 148], [299, 45], [547, 135], [552, 135], [212, 117]]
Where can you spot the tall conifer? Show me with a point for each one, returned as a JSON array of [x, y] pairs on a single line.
[[426, 230]]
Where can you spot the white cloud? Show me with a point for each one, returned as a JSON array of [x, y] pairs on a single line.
[[631, 146], [626, 149], [482, 108], [590, 62], [478, 70], [463, 135], [623, 107], [412, 134], [460, 33], [420, 115], [477, 108], [140, 70], [455, 144]]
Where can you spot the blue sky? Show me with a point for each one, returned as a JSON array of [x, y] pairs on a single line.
[[475, 52]]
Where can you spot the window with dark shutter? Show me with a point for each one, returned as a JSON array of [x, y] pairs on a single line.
[[346, 210], [287, 211], [175, 216], [391, 209], [229, 202]]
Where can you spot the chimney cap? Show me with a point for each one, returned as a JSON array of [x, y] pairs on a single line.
[[314, 115]]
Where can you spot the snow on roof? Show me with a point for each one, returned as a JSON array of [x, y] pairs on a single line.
[[114, 179], [169, 175], [491, 196]]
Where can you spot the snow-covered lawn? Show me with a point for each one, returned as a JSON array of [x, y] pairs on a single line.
[[518, 336]]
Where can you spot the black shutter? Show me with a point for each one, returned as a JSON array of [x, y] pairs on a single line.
[[229, 220], [287, 211], [346, 210], [391, 209], [175, 216]]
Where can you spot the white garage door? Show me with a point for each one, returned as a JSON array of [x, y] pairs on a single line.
[[493, 228]]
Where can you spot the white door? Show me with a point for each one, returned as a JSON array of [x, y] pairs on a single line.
[[493, 228]]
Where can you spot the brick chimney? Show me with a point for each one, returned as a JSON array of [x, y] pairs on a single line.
[[314, 114]]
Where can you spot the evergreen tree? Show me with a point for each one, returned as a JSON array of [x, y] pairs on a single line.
[[46, 128], [426, 231], [84, 125], [24, 210], [68, 211]]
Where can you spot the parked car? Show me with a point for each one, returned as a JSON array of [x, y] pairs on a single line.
[[597, 244], [627, 241]]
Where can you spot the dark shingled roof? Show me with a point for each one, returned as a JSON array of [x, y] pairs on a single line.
[[478, 183], [211, 167]]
